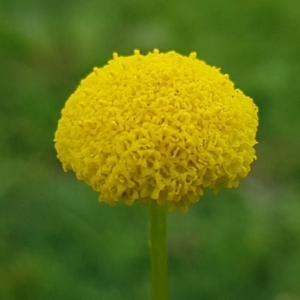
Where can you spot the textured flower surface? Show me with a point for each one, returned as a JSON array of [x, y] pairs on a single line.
[[160, 126]]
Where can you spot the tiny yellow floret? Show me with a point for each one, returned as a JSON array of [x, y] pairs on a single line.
[[160, 126]]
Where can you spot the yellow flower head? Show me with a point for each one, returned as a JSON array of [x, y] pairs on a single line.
[[159, 126]]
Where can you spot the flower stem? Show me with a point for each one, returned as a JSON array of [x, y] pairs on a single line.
[[158, 250]]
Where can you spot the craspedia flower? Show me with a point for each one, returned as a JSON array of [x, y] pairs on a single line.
[[159, 126]]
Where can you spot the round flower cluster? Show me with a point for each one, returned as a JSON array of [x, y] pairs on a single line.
[[160, 126]]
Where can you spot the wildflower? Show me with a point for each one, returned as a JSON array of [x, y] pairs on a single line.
[[159, 126]]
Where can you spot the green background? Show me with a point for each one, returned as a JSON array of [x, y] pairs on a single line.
[[58, 242]]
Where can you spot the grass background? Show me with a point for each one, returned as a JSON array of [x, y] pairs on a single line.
[[58, 242]]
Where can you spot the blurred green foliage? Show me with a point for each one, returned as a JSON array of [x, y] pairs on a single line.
[[58, 242]]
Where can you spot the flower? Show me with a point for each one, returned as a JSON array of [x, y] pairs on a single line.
[[160, 126]]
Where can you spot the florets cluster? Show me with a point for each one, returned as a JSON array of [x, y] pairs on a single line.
[[159, 126]]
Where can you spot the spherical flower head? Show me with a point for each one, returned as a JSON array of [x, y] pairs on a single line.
[[160, 126]]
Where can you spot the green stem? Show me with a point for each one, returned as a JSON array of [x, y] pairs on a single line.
[[158, 250]]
